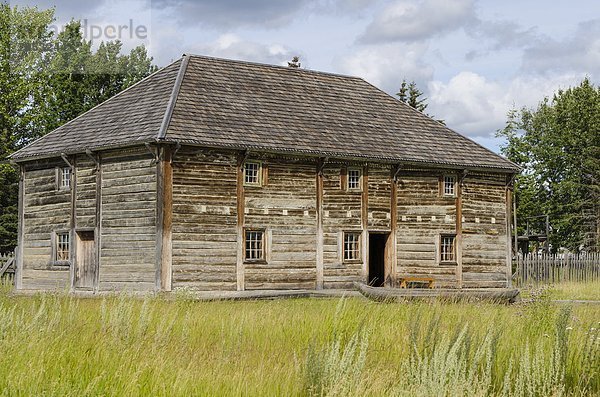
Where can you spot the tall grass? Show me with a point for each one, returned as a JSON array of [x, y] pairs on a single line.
[[58, 345]]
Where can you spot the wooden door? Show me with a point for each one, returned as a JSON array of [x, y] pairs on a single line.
[[85, 270]]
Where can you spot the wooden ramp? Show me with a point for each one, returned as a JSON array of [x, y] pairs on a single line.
[[384, 294]]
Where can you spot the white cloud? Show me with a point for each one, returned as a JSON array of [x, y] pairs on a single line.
[[476, 106], [385, 66], [232, 46], [579, 52], [229, 14], [408, 20]]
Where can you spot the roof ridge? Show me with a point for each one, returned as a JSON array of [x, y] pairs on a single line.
[[162, 132], [54, 131], [280, 67]]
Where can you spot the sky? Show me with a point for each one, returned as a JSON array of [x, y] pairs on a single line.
[[474, 60]]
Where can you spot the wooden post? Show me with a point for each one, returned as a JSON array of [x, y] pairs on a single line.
[[459, 269], [19, 249], [73, 234], [365, 222], [393, 259], [320, 275], [164, 220], [509, 250], [98, 229], [240, 222]]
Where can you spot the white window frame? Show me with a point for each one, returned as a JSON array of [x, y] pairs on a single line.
[[351, 246], [358, 171], [449, 186], [261, 249], [62, 246], [447, 256], [64, 176], [258, 181]]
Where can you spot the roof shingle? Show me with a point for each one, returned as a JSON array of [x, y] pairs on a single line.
[[225, 103]]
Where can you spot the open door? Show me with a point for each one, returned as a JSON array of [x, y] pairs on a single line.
[[377, 258], [85, 266]]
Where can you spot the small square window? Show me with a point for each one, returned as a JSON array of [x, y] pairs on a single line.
[[63, 247], [254, 245], [252, 173], [354, 175], [447, 248], [449, 182], [64, 176], [351, 246]]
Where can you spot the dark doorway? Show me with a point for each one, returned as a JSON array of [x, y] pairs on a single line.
[[377, 243]]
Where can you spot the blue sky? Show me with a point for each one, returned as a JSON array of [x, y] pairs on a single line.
[[474, 60]]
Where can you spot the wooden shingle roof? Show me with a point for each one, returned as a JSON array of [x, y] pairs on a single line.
[[232, 104]]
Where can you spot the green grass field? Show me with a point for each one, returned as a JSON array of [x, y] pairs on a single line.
[[57, 345]]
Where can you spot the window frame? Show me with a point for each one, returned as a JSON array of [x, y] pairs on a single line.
[[60, 178], [56, 243], [358, 257], [443, 185], [442, 256], [263, 247], [358, 183], [259, 171]]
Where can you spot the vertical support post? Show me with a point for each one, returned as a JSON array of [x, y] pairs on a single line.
[[73, 234], [98, 229], [320, 275], [164, 254], [20, 235], [365, 222], [240, 222], [509, 250], [393, 252], [459, 234], [514, 204]]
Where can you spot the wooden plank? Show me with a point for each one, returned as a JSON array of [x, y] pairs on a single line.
[[392, 257], [319, 181], [164, 254], [459, 235], [241, 200], [73, 221], [364, 216], [20, 228]]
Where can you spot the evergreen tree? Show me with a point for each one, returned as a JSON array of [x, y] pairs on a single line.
[[410, 94]]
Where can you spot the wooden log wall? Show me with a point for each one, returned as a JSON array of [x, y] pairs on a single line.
[[85, 207], [45, 210], [424, 214], [380, 191], [204, 220], [209, 209], [484, 231], [128, 228], [341, 212], [285, 207]]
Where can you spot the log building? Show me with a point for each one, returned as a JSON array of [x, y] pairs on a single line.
[[215, 174]]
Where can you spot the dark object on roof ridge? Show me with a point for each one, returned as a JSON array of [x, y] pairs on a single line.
[[237, 104]]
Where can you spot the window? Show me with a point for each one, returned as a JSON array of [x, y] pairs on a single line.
[[353, 178], [449, 182], [64, 181], [254, 245], [252, 173], [351, 246], [63, 247], [447, 248]]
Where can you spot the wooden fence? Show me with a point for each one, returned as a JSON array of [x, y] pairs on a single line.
[[549, 269], [7, 265]]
